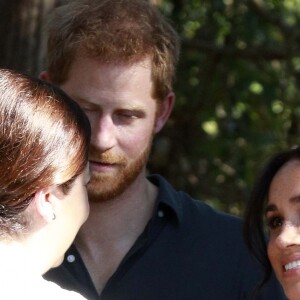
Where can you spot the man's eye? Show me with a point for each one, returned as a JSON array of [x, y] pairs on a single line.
[[128, 115], [274, 222]]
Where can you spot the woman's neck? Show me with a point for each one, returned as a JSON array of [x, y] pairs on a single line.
[[15, 259]]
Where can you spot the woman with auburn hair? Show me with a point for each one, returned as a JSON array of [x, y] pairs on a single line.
[[274, 211], [44, 140]]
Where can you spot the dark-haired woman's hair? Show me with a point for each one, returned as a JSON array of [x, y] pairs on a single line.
[[44, 140], [254, 226]]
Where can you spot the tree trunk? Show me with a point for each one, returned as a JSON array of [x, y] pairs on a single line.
[[22, 36]]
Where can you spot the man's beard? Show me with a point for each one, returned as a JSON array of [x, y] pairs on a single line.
[[103, 187]]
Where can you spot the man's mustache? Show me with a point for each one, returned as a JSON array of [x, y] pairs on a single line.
[[106, 157]]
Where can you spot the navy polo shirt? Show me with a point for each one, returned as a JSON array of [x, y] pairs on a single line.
[[187, 251]]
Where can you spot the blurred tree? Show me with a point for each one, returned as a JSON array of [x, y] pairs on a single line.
[[237, 88], [22, 38], [237, 95]]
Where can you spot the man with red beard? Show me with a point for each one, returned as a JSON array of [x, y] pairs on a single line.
[[143, 240]]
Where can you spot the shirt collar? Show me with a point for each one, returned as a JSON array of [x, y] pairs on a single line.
[[167, 196]]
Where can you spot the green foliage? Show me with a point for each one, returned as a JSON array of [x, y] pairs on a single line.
[[237, 93]]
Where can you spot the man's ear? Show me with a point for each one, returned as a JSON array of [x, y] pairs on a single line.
[[44, 75], [45, 202], [164, 110]]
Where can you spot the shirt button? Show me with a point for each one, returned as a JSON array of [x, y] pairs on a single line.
[[70, 258], [160, 213]]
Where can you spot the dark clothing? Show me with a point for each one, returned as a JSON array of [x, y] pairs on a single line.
[[188, 251]]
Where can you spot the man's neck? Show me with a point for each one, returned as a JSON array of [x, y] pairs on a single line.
[[113, 227]]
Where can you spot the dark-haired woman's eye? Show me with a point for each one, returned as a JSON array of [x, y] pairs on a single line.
[[274, 222]]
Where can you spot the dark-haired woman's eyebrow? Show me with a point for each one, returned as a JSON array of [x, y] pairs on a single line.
[[295, 199]]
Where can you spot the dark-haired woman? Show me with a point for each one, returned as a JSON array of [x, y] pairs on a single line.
[[274, 210]]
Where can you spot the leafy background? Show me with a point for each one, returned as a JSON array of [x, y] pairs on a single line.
[[237, 88], [237, 96]]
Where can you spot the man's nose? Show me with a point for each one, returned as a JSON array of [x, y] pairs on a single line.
[[103, 133]]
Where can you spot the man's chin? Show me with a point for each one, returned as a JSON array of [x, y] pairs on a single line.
[[103, 189], [104, 195]]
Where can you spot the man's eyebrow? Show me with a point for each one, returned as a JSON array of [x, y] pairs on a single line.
[[132, 108], [79, 99]]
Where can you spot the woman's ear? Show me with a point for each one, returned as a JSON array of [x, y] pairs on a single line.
[[45, 202], [164, 110]]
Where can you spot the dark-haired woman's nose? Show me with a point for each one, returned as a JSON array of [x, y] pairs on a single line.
[[289, 236]]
